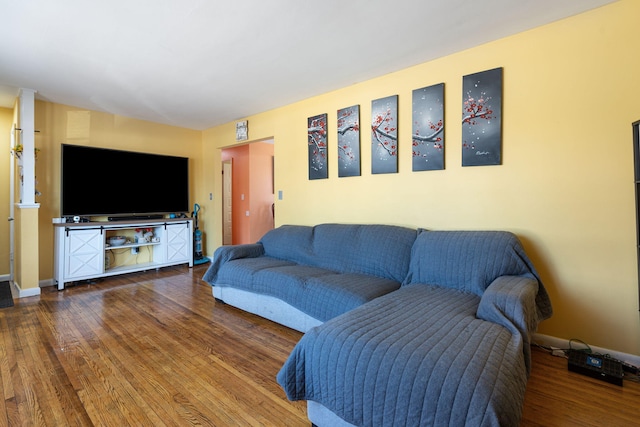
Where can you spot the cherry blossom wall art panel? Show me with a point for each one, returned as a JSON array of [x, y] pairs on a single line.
[[317, 142], [349, 141], [384, 135], [428, 128], [482, 118]]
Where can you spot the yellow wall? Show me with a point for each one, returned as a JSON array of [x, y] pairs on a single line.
[[26, 248], [6, 122], [59, 124], [565, 186]]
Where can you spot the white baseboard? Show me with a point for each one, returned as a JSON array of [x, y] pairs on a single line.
[[549, 341], [45, 283], [42, 283], [18, 292]]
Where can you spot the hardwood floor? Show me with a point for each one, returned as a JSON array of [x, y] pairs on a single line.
[[156, 349]]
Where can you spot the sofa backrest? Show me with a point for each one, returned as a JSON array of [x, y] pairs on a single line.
[[379, 250], [466, 260]]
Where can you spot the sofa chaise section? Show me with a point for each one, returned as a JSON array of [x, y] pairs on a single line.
[[450, 347]]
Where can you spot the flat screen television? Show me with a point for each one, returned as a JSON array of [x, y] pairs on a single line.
[[107, 182]]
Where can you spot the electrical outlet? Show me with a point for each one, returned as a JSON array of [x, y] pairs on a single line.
[[134, 250]]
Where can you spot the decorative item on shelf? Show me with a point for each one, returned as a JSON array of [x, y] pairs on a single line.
[[117, 240], [18, 149], [144, 235]]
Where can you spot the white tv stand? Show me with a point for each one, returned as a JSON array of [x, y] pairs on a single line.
[[82, 250]]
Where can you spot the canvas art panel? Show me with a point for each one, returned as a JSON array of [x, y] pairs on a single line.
[[317, 146], [482, 118], [384, 135], [349, 141], [428, 128]]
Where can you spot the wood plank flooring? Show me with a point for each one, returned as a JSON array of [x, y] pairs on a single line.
[[154, 348]]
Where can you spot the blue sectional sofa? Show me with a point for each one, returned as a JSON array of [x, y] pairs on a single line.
[[426, 327]]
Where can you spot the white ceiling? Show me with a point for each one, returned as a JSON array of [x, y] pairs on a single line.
[[200, 63]]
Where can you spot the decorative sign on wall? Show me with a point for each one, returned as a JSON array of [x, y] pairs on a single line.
[[482, 118], [349, 141], [317, 143], [384, 135], [242, 130], [428, 128]]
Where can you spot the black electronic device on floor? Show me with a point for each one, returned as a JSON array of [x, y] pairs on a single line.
[[596, 366]]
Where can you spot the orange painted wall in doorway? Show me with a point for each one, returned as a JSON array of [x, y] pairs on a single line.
[[252, 190]]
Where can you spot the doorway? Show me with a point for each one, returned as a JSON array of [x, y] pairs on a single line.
[[248, 192], [227, 202]]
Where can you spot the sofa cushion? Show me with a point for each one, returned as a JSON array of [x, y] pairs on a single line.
[[240, 272], [320, 293], [335, 294], [466, 260], [378, 250], [285, 281]]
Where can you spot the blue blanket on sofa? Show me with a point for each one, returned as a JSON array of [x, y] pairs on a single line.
[[450, 347]]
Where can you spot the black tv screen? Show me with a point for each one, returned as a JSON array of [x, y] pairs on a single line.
[[100, 181]]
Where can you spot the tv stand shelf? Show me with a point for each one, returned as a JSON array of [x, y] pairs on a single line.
[[82, 250], [130, 245]]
